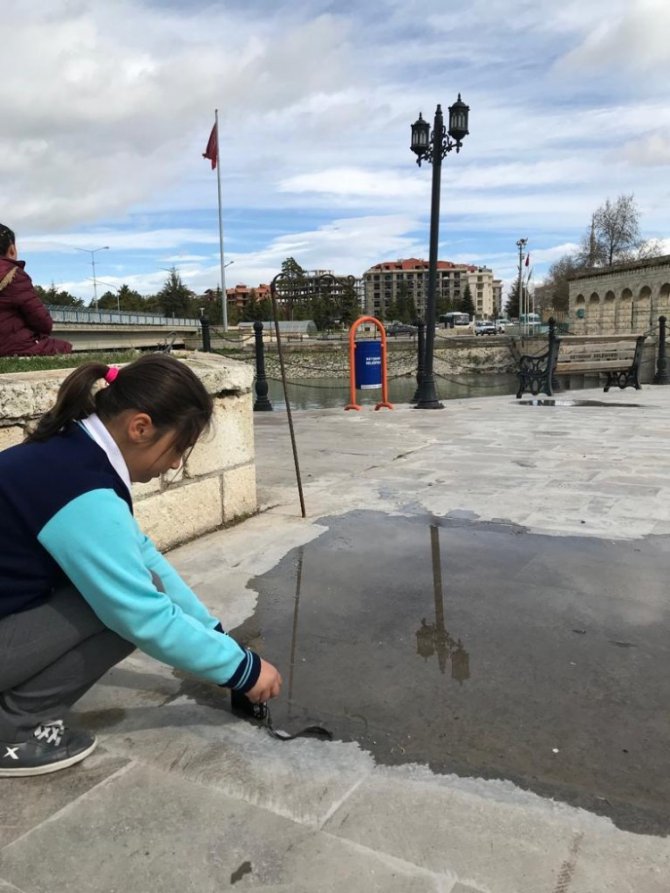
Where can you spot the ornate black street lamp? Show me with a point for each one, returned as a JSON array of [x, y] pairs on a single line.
[[433, 147]]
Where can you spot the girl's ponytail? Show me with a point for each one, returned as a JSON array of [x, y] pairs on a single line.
[[156, 384], [75, 401]]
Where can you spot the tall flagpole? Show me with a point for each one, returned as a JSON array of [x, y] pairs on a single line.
[[224, 300]]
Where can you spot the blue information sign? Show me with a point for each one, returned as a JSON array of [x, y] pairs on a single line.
[[368, 365]]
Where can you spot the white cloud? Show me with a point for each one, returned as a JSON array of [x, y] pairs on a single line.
[[356, 182], [632, 40], [350, 244], [107, 108], [651, 150], [157, 239], [185, 258], [102, 102]]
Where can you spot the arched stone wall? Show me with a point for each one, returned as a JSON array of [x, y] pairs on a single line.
[[663, 306], [624, 311], [608, 318], [593, 314], [579, 324], [621, 299], [641, 315]]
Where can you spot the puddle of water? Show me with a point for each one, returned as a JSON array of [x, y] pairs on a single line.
[[553, 402], [100, 720], [481, 649]]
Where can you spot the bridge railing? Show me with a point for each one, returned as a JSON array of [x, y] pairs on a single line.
[[117, 317]]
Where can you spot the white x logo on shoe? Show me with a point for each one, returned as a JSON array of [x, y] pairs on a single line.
[[11, 752]]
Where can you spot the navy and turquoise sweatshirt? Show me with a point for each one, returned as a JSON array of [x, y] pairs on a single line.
[[66, 516]]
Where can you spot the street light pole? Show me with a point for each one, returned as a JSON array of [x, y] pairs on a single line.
[[117, 290], [92, 253], [433, 148], [523, 315], [224, 296]]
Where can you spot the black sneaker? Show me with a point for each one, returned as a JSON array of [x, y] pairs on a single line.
[[51, 748]]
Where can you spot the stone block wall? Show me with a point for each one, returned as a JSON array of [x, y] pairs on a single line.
[[217, 484], [627, 298]]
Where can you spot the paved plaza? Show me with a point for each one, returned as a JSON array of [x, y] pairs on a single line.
[[182, 796]]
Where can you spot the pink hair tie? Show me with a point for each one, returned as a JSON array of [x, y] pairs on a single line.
[[110, 374]]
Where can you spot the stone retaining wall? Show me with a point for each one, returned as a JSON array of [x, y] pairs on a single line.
[[452, 357], [626, 298], [217, 484]]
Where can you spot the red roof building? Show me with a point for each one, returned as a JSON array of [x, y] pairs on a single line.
[[388, 281], [242, 295]]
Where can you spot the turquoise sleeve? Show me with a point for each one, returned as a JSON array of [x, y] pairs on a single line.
[[173, 584], [97, 543]]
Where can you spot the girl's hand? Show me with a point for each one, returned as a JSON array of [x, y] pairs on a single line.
[[268, 684]]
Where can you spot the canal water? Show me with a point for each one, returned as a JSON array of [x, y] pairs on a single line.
[[328, 393]]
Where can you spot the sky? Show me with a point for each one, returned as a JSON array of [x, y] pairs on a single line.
[[107, 107]]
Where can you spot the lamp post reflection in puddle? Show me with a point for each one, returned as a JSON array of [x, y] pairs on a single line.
[[348, 715], [294, 628], [433, 638]]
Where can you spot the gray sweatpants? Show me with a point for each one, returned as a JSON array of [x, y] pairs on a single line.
[[50, 656]]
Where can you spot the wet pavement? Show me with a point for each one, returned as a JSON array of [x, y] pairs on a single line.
[[563, 401], [475, 605], [483, 650]]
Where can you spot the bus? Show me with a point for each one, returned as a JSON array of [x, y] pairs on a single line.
[[530, 320], [455, 319]]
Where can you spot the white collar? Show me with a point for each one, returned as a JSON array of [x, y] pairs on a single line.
[[99, 433]]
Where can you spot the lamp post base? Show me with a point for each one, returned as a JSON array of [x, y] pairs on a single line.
[[426, 397], [430, 404]]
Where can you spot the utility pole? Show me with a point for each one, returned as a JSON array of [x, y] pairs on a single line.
[[521, 244]]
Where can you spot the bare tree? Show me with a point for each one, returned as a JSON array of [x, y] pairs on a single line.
[[614, 234], [612, 237], [555, 289]]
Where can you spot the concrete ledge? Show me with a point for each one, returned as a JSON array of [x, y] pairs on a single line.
[[177, 515], [239, 492], [217, 484]]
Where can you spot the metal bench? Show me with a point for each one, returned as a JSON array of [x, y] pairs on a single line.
[[617, 357], [536, 370]]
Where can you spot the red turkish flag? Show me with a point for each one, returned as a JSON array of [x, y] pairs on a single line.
[[210, 152]]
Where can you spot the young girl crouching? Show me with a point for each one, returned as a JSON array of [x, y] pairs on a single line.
[[80, 585]]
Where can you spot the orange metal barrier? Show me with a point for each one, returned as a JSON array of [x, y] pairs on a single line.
[[352, 364]]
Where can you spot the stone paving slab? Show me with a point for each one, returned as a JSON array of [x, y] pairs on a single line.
[[150, 830], [27, 802], [304, 780], [441, 827], [469, 454], [610, 861], [413, 885]]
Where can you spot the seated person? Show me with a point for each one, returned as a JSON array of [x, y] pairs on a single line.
[[25, 323]]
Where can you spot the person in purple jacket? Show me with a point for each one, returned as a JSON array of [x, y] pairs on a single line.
[[25, 323]]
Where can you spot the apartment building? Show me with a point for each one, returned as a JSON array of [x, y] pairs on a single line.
[[385, 282], [497, 297], [242, 295]]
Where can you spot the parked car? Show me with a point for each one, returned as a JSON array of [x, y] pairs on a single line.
[[503, 324], [486, 327], [400, 328]]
